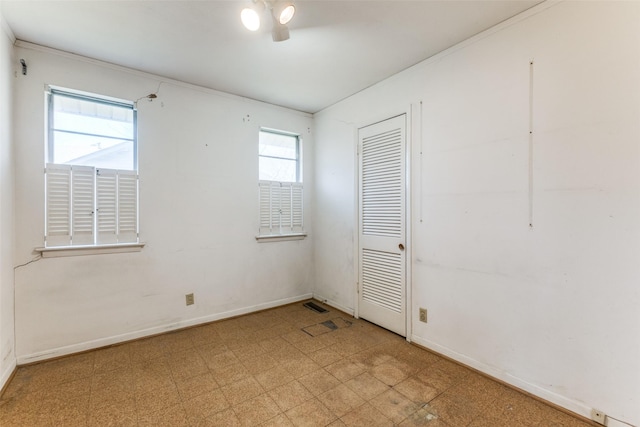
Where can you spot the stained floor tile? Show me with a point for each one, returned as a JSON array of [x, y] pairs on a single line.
[[290, 395], [340, 400]]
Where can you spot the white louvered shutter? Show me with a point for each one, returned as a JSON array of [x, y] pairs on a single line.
[[83, 202], [58, 205], [296, 208], [285, 207], [264, 188], [276, 200], [280, 207], [107, 204], [127, 207]]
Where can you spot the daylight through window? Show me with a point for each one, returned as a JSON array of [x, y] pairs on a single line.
[[91, 170], [280, 184]]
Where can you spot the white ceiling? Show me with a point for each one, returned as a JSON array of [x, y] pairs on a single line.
[[336, 49]]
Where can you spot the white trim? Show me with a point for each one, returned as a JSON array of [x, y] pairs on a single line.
[[356, 220], [333, 304], [280, 237], [414, 124], [569, 404], [613, 422], [61, 251], [6, 375], [160, 79], [116, 339]]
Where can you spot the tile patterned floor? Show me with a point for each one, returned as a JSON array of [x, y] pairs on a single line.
[[263, 369]]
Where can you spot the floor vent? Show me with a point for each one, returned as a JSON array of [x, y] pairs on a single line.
[[315, 307]]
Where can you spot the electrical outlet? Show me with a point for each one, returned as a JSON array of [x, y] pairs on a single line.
[[423, 315], [598, 416], [190, 299]]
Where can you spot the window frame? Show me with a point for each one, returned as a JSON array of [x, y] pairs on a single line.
[[298, 158], [84, 96], [281, 235], [131, 243]]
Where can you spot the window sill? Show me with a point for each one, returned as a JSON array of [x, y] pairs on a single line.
[[61, 251], [281, 237]]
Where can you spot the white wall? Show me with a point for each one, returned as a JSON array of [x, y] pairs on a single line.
[[553, 309], [7, 338], [198, 165]]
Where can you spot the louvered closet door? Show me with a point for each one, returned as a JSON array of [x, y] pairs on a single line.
[[382, 264]]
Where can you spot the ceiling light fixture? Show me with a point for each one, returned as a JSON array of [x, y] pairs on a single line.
[[284, 11], [281, 12]]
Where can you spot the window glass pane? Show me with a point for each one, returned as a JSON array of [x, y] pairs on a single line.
[[277, 169], [278, 145], [84, 150], [95, 118]]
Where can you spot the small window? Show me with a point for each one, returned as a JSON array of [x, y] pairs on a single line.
[[279, 157], [280, 185], [91, 170]]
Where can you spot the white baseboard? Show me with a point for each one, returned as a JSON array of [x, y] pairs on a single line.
[[333, 304], [103, 342], [612, 422], [6, 374], [562, 401]]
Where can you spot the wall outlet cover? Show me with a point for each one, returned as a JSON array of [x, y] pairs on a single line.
[[189, 299]]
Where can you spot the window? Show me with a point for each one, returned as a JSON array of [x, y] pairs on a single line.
[[91, 173], [280, 185]]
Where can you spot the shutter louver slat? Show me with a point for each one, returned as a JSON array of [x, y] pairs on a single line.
[[127, 207], [58, 205], [82, 186], [106, 201], [296, 208], [276, 200], [265, 207], [285, 208]]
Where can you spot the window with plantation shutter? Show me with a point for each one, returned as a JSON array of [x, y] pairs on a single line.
[[89, 206], [91, 176], [280, 185], [280, 208]]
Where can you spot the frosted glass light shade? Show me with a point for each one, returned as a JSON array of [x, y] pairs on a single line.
[[287, 14]]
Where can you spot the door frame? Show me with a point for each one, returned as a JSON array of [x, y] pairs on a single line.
[[412, 134]]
